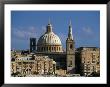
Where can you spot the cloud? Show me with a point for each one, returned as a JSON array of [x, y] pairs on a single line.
[[87, 30], [20, 36], [86, 33], [27, 32], [85, 36]]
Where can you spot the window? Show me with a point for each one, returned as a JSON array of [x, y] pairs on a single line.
[[70, 63], [98, 62], [32, 43], [49, 48], [52, 48], [59, 48], [44, 48], [38, 48], [93, 68], [88, 68], [93, 58], [71, 46]]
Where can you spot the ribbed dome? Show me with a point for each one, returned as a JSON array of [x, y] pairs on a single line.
[[49, 39], [49, 42]]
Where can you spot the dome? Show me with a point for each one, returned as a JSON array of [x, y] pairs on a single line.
[[49, 42], [49, 39]]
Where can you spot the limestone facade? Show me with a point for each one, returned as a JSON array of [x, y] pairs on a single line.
[[89, 60], [33, 65]]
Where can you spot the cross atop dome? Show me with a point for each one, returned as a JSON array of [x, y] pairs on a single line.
[[49, 21]]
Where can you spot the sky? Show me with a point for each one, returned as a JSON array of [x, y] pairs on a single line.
[[26, 24]]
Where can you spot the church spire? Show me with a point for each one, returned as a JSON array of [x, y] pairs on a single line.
[[70, 36], [70, 23]]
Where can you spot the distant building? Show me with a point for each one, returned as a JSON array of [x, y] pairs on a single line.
[[35, 65], [88, 61]]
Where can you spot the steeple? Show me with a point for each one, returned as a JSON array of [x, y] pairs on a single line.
[[70, 36], [70, 51], [49, 27]]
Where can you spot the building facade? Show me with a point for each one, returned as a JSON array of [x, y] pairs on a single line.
[[33, 65], [70, 51], [88, 61]]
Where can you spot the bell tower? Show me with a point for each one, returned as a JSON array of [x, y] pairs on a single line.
[[32, 44], [70, 51]]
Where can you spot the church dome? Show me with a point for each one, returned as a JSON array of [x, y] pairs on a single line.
[[49, 41]]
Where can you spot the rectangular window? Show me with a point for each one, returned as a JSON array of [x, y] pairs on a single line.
[[70, 63], [93, 58]]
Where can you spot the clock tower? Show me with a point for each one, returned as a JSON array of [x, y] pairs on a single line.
[[70, 51]]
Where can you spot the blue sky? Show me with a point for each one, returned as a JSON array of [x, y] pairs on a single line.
[[26, 24]]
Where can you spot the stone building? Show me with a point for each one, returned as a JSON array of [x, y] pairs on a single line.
[[49, 44], [88, 61], [70, 51], [33, 65]]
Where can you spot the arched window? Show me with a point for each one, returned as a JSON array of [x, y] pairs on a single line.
[[49, 48], [70, 63], [71, 46], [54, 49], [44, 48], [59, 48]]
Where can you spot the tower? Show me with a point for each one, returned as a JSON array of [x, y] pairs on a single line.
[[70, 51], [32, 44]]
